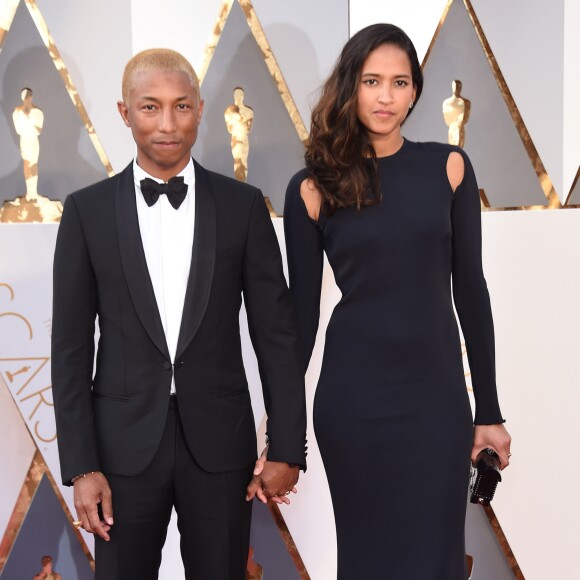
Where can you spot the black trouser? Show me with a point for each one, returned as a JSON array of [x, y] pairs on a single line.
[[213, 516]]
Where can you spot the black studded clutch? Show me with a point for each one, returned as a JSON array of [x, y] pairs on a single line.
[[484, 477]]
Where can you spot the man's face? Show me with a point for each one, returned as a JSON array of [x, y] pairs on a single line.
[[163, 112]]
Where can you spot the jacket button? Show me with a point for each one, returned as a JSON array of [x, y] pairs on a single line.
[[167, 365]]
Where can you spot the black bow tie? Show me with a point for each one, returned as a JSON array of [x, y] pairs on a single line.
[[175, 190]]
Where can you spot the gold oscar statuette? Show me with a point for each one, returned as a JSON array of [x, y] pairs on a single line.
[[28, 121], [456, 111], [239, 118]]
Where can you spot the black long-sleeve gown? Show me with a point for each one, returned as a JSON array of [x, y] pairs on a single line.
[[391, 413]]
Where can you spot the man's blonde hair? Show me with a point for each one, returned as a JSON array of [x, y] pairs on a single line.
[[157, 59]]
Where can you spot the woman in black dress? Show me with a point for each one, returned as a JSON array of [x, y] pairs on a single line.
[[399, 221]]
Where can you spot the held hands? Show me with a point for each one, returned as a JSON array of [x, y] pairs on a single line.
[[272, 480], [495, 437], [89, 491]]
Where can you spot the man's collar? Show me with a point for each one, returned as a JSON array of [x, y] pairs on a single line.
[[188, 173]]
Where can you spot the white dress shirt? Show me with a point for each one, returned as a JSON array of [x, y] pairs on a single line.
[[167, 236]]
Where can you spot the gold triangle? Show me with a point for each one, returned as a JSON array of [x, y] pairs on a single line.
[[68, 83], [38, 468], [540, 170], [7, 12], [25, 497], [262, 42]]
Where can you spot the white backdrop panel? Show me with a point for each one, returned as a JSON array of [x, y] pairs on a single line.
[[531, 263]]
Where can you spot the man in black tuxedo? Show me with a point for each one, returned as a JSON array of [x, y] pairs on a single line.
[[161, 254]]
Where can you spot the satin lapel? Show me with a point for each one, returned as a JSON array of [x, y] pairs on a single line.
[[202, 260], [134, 262]]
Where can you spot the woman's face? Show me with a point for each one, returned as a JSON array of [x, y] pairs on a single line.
[[384, 94]]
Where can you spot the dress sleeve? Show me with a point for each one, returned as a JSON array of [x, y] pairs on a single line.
[[471, 297], [304, 248]]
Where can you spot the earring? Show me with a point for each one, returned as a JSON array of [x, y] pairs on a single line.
[[411, 105]]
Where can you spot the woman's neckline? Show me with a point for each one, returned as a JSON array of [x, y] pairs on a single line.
[[395, 153]]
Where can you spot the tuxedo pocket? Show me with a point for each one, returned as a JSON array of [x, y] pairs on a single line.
[[235, 393], [111, 397]]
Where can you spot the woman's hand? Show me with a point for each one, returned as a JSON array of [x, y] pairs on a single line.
[[261, 461], [495, 437]]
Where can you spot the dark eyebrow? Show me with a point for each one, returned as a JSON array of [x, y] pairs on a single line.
[[371, 74]]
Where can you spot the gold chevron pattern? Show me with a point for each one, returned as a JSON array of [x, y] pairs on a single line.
[[540, 170]]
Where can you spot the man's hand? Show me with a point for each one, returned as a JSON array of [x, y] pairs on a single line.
[[272, 480], [89, 491]]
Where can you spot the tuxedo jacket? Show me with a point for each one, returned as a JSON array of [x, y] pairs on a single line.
[[112, 418]]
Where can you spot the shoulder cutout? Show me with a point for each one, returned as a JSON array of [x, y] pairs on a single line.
[[455, 169], [311, 198]]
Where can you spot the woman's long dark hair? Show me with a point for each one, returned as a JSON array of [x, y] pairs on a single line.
[[338, 151]]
